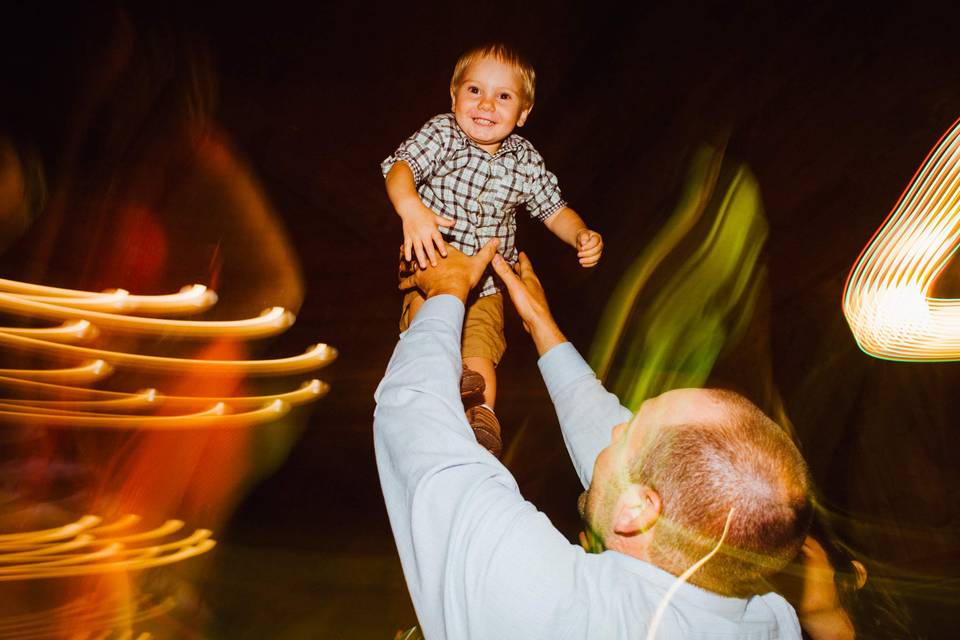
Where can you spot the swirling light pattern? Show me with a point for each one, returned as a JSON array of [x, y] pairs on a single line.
[[887, 299], [65, 406]]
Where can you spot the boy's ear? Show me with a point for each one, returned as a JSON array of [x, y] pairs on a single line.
[[453, 100], [523, 115]]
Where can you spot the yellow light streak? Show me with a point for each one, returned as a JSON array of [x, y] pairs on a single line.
[[142, 400], [84, 373], [86, 613], [684, 577], [270, 322], [307, 392], [85, 553], [887, 300], [191, 299], [69, 331], [215, 417], [315, 357]]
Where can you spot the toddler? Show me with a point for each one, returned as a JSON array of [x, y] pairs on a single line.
[[460, 179]]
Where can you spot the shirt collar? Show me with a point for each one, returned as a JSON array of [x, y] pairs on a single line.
[[730, 608]]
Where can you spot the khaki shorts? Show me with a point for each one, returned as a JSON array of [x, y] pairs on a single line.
[[482, 328]]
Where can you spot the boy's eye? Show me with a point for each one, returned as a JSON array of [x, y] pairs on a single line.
[[473, 89], [505, 96]]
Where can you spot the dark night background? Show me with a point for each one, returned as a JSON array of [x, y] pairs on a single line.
[[833, 108]]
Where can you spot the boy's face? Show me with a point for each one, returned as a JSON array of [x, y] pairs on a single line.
[[488, 104]]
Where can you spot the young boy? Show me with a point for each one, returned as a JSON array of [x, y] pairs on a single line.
[[460, 178]]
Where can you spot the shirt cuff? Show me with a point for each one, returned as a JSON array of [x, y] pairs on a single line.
[[562, 365], [445, 307]]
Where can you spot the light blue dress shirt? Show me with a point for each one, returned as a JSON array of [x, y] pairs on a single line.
[[481, 563]]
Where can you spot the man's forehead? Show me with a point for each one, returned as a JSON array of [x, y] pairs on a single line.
[[679, 406]]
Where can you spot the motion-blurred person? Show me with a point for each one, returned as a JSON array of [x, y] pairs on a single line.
[[834, 594]]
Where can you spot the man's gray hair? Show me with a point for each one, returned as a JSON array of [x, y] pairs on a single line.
[[745, 462]]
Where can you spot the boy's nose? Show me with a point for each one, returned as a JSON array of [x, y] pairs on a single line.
[[486, 104]]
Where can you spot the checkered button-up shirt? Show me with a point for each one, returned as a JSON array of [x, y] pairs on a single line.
[[479, 191]]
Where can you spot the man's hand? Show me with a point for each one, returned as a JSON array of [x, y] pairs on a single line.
[[421, 234], [528, 297], [589, 247], [456, 274]]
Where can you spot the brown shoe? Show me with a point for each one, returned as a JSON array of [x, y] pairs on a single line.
[[472, 387], [486, 428]]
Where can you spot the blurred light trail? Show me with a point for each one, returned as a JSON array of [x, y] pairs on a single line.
[[215, 417], [314, 357], [47, 623], [69, 331], [84, 373], [270, 322], [191, 299], [887, 300], [709, 274], [82, 549], [307, 392]]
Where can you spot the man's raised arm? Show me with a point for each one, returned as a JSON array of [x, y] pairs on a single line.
[[586, 411]]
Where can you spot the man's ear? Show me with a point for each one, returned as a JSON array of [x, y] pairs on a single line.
[[523, 116], [637, 510]]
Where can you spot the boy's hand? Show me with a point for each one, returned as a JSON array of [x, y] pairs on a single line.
[[589, 247], [421, 235]]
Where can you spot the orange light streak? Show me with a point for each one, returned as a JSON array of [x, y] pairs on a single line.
[[307, 392], [887, 299], [84, 373], [313, 358], [46, 624], [270, 322], [191, 299], [69, 331], [216, 417], [87, 551]]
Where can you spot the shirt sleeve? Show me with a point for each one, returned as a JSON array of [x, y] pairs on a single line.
[[541, 190], [586, 411], [479, 560], [425, 149]]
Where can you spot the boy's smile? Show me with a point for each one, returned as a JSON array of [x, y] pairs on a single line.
[[489, 103]]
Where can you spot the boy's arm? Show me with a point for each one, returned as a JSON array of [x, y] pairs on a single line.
[[421, 234], [570, 227]]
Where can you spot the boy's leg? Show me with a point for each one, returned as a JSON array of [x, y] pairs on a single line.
[[485, 367], [483, 346]]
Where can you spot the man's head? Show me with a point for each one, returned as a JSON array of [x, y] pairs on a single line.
[[492, 91], [663, 488]]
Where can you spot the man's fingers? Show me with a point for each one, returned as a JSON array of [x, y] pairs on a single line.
[[489, 250], [442, 221], [407, 283], [503, 270], [407, 249]]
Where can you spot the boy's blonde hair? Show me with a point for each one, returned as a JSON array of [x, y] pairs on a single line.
[[505, 54]]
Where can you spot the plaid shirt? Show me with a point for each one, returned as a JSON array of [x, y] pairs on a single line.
[[480, 192]]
